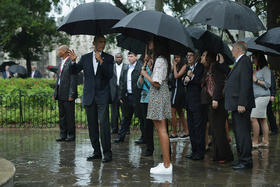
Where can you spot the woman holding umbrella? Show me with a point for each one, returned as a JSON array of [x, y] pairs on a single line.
[[159, 107]]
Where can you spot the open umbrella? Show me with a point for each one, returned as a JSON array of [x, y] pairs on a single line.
[[131, 44], [254, 47], [18, 69], [4, 64], [225, 14], [142, 25], [205, 40], [271, 39], [92, 19]]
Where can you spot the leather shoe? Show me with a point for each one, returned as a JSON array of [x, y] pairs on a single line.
[[148, 153], [190, 156], [70, 139], [197, 157], [140, 141], [94, 157], [242, 166], [118, 140], [107, 159], [60, 139]]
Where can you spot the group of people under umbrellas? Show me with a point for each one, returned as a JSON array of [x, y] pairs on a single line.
[[204, 81]]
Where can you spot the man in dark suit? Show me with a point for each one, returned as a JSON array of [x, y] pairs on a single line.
[[98, 70], [66, 93], [35, 73], [270, 114], [130, 97], [6, 74], [239, 99], [196, 116], [119, 67]]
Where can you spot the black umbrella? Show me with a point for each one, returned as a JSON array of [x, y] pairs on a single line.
[[4, 64], [225, 14], [91, 19], [18, 69], [271, 39], [205, 40], [131, 44], [143, 25], [254, 47]]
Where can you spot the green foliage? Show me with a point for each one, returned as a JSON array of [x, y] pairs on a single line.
[[26, 29]]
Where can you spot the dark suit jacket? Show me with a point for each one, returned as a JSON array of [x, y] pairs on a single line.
[[4, 74], [68, 83], [273, 85], [113, 82], [239, 86], [136, 92], [193, 89], [96, 87], [37, 74], [219, 78]]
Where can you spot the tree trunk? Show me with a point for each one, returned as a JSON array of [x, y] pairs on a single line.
[[273, 20], [28, 66]]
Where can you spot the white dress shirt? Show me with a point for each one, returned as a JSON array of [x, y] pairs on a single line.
[[63, 61], [95, 62], [129, 79], [118, 70], [33, 73]]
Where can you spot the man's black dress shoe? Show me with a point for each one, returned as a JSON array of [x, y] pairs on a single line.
[[190, 156], [70, 139], [242, 166], [235, 163], [94, 157], [118, 140], [107, 159], [148, 153], [60, 139], [140, 141], [273, 133], [197, 157]]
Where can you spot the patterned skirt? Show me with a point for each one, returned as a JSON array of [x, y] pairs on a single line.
[[159, 107]]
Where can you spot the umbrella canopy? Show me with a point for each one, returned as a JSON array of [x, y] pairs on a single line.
[[131, 44], [92, 19], [53, 68], [4, 64], [205, 40], [18, 69], [271, 39], [225, 14], [254, 47], [143, 25]]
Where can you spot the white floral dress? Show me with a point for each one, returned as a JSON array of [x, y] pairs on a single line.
[[159, 107]]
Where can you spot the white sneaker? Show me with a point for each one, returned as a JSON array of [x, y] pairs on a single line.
[[161, 170]]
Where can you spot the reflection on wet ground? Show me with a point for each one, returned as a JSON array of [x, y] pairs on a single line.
[[41, 161]]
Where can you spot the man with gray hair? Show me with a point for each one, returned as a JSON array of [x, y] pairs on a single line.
[[239, 99], [118, 69], [66, 93]]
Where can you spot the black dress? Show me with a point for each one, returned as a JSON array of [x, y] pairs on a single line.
[[177, 91]]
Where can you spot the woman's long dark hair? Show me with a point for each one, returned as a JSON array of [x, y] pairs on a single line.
[[161, 49], [261, 60], [211, 59]]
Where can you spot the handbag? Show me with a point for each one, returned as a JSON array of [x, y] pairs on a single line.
[[210, 84]]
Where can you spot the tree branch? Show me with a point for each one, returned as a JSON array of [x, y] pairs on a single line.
[[122, 6]]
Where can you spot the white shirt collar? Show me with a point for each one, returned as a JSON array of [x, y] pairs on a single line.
[[132, 65], [238, 58]]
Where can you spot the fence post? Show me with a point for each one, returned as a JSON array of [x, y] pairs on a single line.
[[20, 108]]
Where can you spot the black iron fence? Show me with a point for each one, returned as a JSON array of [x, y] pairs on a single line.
[[41, 111]]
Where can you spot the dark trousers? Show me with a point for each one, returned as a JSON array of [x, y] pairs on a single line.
[[115, 114], [99, 114], [197, 122], [130, 108], [149, 128], [242, 132], [271, 118], [66, 118], [222, 149]]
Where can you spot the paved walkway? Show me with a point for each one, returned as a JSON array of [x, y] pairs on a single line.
[[41, 161]]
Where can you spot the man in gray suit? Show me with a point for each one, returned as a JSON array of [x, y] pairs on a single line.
[[239, 99], [66, 93], [115, 91]]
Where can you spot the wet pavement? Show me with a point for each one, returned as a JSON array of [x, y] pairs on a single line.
[[41, 161]]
